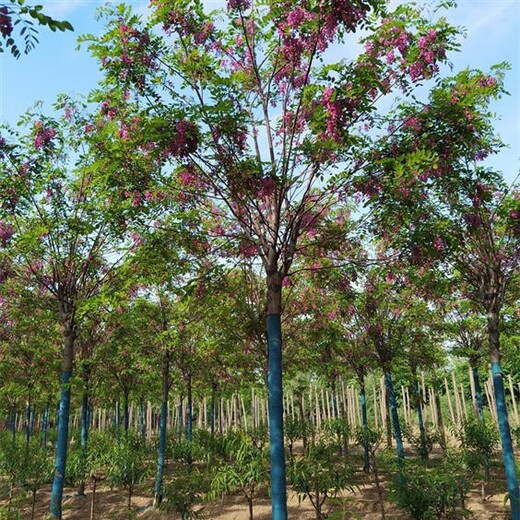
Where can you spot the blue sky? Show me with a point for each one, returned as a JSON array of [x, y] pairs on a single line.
[[493, 35]]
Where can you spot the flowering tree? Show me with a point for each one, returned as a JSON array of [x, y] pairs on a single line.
[[257, 114], [15, 13], [459, 215], [56, 234]]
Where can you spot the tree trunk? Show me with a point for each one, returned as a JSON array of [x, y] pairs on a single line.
[[33, 504], [181, 418], [126, 410], [84, 436], [395, 419], [423, 450], [189, 418], [478, 392], [503, 421], [275, 392], [93, 501], [303, 421], [363, 398], [63, 423], [45, 424], [27, 422], [158, 490]]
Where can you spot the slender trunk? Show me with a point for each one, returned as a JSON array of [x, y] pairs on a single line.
[[395, 419], [334, 399], [45, 425], [250, 503], [33, 503], [93, 500], [117, 422], [158, 490], [440, 421], [189, 419], [27, 422], [302, 421], [275, 392], [126, 410], [388, 421], [63, 425], [378, 485], [181, 419], [478, 392], [423, 450], [366, 465], [84, 437], [503, 421]]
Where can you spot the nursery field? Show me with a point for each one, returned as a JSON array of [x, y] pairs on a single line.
[[265, 266], [218, 468]]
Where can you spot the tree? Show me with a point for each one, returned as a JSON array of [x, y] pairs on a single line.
[[460, 217], [57, 233], [243, 102]]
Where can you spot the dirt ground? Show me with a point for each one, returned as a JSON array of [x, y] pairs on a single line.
[[360, 504]]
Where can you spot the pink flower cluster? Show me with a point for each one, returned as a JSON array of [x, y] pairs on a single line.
[[300, 36], [185, 139], [6, 232], [44, 135], [430, 52], [6, 24], [238, 5]]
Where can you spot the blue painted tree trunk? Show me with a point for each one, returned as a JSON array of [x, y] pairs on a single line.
[[27, 422], [181, 419], [161, 450], [363, 397], [126, 412], [61, 446], [505, 439], [422, 431], [189, 419], [395, 419], [158, 489], [275, 391], [45, 425], [117, 420], [478, 392], [85, 423]]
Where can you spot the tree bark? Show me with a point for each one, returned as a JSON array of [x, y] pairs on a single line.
[[363, 398], [503, 420], [275, 392], [395, 419], [63, 422], [158, 490]]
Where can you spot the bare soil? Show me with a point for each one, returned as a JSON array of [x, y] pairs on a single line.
[[360, 504]]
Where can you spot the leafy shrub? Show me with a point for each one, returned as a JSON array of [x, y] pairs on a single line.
[[479, 440], [320, 474], [184, 491], [427, 494], [245, 470], [126, 463]]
